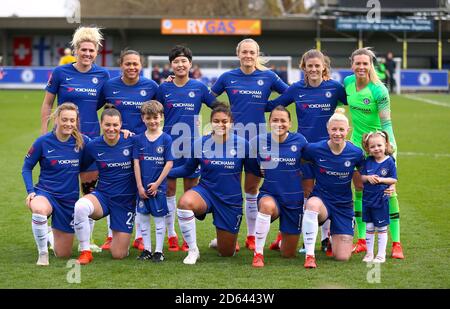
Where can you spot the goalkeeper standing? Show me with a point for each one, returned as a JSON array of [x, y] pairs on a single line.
[[370, 109]]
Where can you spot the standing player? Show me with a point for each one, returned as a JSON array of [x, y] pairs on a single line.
[[334, 162], [370, 108], [378, 173], [152, 162], [128, 92], [58, 153], [248, 88], [221, 156], [316, 98], [182, 100], [281, 194], [81, 83], [115, 194]]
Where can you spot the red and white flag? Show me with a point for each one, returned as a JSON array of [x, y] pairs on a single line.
[[22, 49], [105, 54]]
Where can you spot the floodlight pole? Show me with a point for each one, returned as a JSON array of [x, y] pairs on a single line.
[[405, 51], [360, 40], [439, 44]]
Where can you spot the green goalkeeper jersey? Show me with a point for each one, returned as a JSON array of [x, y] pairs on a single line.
[[365, 106]]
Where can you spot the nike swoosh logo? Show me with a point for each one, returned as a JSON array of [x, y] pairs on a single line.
[[301, 95], [69, 78], [116, 92], [234, 81], [50, 151], [100, 154], [309, 233], [322, 160], [142, 148], [168, 95]]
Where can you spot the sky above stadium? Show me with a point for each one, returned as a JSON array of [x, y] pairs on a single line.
[[33, 8]]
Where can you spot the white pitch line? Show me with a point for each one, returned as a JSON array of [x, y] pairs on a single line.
[[423, 100], [415, 154]]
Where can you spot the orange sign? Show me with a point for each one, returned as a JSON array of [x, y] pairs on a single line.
[[211, 26]]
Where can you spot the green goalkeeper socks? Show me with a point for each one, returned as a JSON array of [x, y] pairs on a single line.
[[394, 215], [360, 225]]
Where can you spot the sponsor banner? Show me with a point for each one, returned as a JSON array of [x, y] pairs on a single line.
[[385, 24], [211, 26]]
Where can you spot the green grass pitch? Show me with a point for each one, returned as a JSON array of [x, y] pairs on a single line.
[[423, 136]]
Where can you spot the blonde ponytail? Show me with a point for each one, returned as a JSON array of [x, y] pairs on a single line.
[[373, 76], [260, 60], [79, 142]]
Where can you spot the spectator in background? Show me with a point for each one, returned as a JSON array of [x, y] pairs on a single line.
[[165, 72], [196, 73], [156, 74], [68, 57], [380, 69], [390, 71]]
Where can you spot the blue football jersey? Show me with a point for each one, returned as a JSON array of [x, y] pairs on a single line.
[[114, 164], [60, 166], [82, 89], [221, 167], [373, 195], [152, 156], [248, 95], [314, 106], [182, 106], [129, 99], [333, 172], [282, 167]]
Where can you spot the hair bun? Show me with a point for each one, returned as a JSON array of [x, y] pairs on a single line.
[[340, 110]]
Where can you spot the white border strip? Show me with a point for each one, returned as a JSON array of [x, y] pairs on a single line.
[[416, 154], [423, 100]]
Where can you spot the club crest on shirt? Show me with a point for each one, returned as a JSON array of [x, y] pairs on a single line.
[[95, 80], [160, 149], [294, 148], [260, 82], [192, 94], [366, 101], [233, 152], [76, 149], [126, 152], [328, 94], [143, 93], [383, 172], [347, 163]]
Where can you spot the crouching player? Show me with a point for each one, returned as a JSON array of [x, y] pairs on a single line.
[[152, 162], [334, 163], [59, 154], [115, 194], [281, 195]]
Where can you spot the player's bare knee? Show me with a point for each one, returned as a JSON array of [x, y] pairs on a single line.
[[63, 253], [185, 203], [342, 257], [266, 207], [119, 254], [226, 252]]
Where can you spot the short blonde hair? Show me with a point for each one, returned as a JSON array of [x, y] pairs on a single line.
[[87, 34]]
